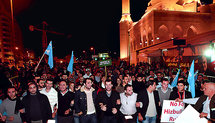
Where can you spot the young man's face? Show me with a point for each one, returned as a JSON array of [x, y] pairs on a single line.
[[32, 89], [62, 86], [129, 91], [41, 84], [11, 93], [139, 79], [126, 80], [164, 84], [88, 84], [181, 87], [49, 84], [108, 86]]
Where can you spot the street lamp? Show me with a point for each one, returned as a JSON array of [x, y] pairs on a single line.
[[92, 49], [16, 48]]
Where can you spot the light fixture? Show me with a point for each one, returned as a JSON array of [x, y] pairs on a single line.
[[157, 38], [209, 52]]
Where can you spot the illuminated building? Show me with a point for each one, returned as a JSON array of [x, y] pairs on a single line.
[[10, 48], [150, 38]]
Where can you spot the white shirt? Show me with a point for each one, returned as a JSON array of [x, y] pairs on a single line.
[[52, 97], [86, 76], [206, 107], [128, 106], [130, 83], [90, 104], [151, 110]]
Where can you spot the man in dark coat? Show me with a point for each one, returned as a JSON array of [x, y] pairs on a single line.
[[108, 104], [148, 103], [35, 106]]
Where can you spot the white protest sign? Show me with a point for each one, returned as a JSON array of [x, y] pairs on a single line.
[[190, 115], [171, 110]]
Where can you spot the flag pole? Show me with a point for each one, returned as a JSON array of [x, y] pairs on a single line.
[[35, 70]]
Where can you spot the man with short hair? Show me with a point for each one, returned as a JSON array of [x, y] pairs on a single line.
[[148, 103], [85, 102], [108, 103], [128, 107], [40, 84], [207, 101], [51, 93], [36, 106], [152, 75], [181, 93], [164, 91], [11, 106], [65, 103], [139, 84]]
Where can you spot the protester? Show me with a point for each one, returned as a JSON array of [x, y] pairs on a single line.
[[11, 106], [35, 106], [51, 93], [65, 104], [85, 102], [128, 105], [108, 103], [148, 103], [207, 101]]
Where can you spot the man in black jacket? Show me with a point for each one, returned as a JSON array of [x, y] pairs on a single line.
[[36, 106], [181, 93], [65, 103], [85, 102], [108, 104], [148, 103]]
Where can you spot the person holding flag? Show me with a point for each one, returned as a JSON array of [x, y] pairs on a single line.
[[48, 52]]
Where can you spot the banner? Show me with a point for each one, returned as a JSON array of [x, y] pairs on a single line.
[[105, 63], [171, 110], [175, 64]]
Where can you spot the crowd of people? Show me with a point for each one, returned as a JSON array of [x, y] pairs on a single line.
[[121, 94]]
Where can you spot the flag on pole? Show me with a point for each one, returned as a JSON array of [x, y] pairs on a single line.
[[70, 66], [191, 80], [50, 54], [175, 80]]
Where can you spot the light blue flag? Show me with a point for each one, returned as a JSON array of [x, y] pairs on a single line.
[[175, 80], [70, 66], [50, 54], [191, 80], [196, 75]]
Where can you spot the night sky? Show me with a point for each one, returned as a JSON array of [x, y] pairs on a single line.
[[90, 22]]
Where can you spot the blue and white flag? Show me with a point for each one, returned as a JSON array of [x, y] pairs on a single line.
[[70, 66], [175, 80], [50, 54], [191, 80]]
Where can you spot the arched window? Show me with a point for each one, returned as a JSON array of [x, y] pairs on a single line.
[[163, 33]]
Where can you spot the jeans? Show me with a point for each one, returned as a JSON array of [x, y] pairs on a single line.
[[109, 119], [76, 119], [149, 119], [91, 118], [55, 118]]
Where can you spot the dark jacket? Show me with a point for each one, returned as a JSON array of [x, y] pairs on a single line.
[[174, 95], [143, 97], [81, 100], [64, 103], [199, 105], [103, 98], [46, 112]]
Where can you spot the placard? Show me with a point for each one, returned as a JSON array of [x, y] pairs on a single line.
[[171, 110]]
